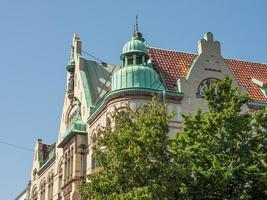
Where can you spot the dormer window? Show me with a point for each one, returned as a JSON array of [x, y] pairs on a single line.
[[262, 83]]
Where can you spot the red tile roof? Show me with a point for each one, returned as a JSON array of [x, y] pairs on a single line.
[[171, 65], [261, 79], [175, 64]]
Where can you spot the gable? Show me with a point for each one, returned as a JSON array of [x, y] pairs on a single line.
[[175, 64]]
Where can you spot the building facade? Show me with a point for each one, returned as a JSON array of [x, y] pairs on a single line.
[[94, 90]]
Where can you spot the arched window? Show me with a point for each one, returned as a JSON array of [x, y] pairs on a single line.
[[108, 122], [204, 85]]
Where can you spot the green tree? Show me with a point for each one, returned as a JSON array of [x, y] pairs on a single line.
[[223, 152], [220, 154], [133, 156]]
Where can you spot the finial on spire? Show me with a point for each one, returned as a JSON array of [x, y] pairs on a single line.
[[137, 35], [136, 23]]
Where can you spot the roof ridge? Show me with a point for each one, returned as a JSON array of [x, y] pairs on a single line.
[[227, 58], [173, 50], [249, 61]]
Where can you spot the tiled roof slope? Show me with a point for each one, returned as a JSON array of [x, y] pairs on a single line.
[[174, 64], [171, 65], [244, 71]]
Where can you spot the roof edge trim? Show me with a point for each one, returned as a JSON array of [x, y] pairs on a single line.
[[257, 103], [129, 90]]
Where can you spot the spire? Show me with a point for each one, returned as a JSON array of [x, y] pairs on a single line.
[[137, 35], [136, 23]]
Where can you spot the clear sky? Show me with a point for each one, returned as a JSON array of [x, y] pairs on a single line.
[[35, 39]]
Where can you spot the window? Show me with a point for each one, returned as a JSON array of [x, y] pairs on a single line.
[[83, 165], [42, 190], [68, 169], [60, 176], [71, 163], [65, 169], [138, 60], [204, 85], [108, 122], [130, 60], [50, 186], [93, 162]]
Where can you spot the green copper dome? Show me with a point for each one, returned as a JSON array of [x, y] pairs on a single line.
[[136, 71], [71, 65], [136, 76], [135, 45], [77, 126]]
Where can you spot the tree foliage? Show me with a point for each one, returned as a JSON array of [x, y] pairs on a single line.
[[223, 152], [133, 156], [220, 154]]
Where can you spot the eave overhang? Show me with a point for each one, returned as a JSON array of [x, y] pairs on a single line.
[[67, 138], [257, 103]]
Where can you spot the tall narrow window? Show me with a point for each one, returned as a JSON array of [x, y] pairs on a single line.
[[65, 170], [108, 122], [44, 192], [60, 178], [130, 60], [68, 162], [52, 189], [48, 191], [71, 163], [93, 162], [138, 59], [51, 184]]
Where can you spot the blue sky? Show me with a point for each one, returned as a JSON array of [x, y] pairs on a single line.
[[35, 43]]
